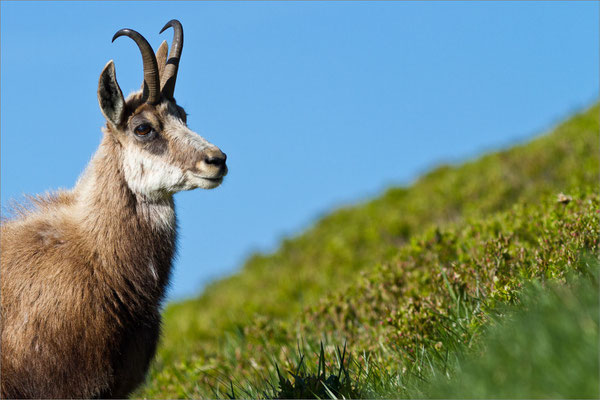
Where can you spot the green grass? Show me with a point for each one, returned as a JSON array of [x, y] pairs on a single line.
[[544, 347], [404, 280]]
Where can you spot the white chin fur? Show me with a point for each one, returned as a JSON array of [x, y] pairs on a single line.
[[202, 183], [150, 176]]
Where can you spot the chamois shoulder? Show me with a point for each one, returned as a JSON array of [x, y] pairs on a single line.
[[33, 205], [37, 222]]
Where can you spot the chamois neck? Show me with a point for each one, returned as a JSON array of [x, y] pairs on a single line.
[[133, 237]]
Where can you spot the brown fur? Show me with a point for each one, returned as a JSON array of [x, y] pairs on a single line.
[[79, 307], [83, 275]]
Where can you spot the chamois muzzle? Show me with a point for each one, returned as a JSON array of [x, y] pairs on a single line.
[[212, 163]]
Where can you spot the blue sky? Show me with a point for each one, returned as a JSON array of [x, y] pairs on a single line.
[[317, 104]]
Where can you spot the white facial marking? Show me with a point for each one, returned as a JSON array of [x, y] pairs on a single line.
[[151, 176], [184, 135]]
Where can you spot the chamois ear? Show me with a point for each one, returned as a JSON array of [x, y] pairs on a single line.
[[161, 57], [110, 96]]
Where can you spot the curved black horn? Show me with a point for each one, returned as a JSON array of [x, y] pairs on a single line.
[[170, 74], [151, 80]]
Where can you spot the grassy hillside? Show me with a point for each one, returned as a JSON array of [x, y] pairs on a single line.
[[546, 347], [393, 275]]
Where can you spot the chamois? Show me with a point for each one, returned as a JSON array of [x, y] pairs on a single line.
[[84, 271]]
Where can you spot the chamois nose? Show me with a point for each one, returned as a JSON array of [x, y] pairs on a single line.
[[215, 157], [212, 161]]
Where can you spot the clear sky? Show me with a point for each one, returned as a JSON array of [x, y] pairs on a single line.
[[316, 104]]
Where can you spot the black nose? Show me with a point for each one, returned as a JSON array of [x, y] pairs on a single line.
[[217, 158]]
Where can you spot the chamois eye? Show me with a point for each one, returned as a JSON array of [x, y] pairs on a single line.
[[143, 129]]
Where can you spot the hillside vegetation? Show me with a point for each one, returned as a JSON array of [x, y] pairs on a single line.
[[543, 348], [403, 279]]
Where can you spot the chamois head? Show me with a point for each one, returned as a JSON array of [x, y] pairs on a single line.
[[159, 154]]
